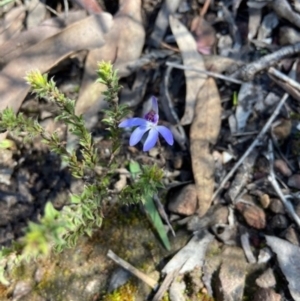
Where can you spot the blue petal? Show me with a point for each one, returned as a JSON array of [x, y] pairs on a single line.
[[151, 139], [154, 105], [137, 135], [133, 122], [166, 133]]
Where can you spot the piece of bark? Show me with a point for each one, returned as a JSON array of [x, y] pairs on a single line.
[[85, 34], [204, 133], [123, 43], [190, 57]]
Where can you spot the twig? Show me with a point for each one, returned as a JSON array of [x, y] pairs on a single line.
[[165, 285], [288, 206], [253, 145], [212, 74], [284, 78], [246, 247], [205, 8], [127, 266], [248, 72]]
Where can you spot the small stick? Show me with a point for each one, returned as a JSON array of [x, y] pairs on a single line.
[[165, 285], [253, 145], [248, 71], [284, 78], [127, 266], [288, 206], [212, 74], [204, 8]]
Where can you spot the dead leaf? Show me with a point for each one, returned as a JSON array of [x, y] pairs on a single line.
[[190, 57], [204, 132], [168, 8], [15, 46], [85, 34], [205, 35], [12, 23], [123, 43], [288, 256]]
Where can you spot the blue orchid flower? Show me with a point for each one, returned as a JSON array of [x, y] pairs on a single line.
[[148, 124]]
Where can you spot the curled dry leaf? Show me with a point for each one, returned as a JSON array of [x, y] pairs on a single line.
[[190, 57], [123, 44], [85, 34], [205, 35], [204, 132]]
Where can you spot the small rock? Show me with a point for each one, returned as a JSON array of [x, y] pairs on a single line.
[[276, 206], [185, 202], [283, 129], [294, 181], [22, 288], [266, 294], [267, 279], [279, 221], [253, 215], [232, 274], [264, 200], [92, 286], [282, 168], [292, 236], [265, 255]]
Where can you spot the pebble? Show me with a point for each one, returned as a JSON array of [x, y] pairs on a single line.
[[276, 206], [264, 200], [185, 201], [266, 294], [253, 215], [279, 221], [292, 236], [281, 167], [22, 288], [267, 279], [294, 181]]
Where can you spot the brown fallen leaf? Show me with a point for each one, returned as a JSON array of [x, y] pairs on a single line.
[[205, 35], [190, 57], [15, 46], [123, 43], [85, 34], [12, 23], [204, 132]]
